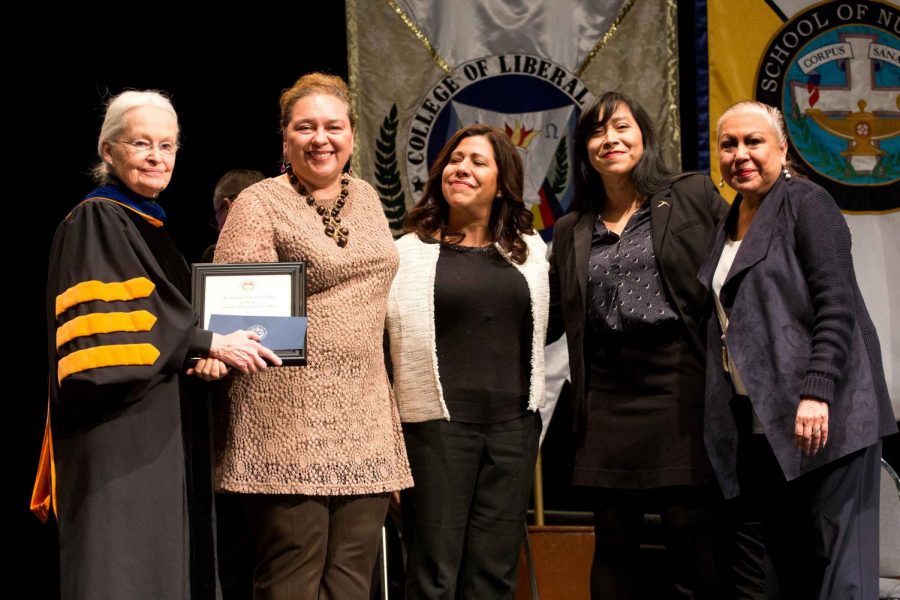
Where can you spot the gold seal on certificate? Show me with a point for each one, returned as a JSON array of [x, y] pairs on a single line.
[[261, 293]]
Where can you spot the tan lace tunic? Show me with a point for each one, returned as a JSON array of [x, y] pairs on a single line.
[[331, 427]]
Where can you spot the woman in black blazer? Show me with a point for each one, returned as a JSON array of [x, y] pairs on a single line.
[[796, 398], [624, 290]]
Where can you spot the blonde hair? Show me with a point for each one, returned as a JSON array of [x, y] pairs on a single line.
[[114, 122], [312, 84]]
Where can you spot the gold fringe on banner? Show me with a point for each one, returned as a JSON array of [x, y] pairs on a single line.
[[353, 69], [420, 35], [623, 12], [671, 91]]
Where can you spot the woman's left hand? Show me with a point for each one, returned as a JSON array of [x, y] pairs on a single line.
[[811, 426], [209, 369], [242, 350]]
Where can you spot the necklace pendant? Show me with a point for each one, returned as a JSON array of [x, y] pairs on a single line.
[[338, 235], [335, 231], [330, 219]]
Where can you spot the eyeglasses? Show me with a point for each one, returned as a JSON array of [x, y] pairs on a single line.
[[144, 147]]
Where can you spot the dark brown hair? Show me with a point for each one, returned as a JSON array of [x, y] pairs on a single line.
[[509, 218]]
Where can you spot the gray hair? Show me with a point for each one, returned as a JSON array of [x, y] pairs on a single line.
[[114, 122], [770, 114]]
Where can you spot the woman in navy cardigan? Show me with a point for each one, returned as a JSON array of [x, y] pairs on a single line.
[[796, 400]]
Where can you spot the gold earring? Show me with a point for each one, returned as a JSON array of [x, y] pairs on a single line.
[[721, 182]]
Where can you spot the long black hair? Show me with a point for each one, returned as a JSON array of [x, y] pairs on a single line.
[[650, 175]]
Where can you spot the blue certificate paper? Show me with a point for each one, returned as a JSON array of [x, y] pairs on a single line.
[[275, 333]]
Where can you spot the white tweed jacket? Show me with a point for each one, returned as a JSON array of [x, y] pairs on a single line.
[[410, 324]]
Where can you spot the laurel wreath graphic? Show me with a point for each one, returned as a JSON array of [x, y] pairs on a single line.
[[887, 168], [814, 153], [561, 176], [387, 173]]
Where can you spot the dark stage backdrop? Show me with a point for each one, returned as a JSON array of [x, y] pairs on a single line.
[[224, 76]]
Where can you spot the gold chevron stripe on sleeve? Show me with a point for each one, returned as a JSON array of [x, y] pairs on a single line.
[[116, 355], [139, 287], [94, 323]]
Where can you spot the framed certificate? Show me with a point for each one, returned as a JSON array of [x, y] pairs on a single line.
[[267, 298]]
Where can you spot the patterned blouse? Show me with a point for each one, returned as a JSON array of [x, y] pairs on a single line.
[[625, 292]]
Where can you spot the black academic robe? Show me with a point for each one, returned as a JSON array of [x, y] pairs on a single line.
[[130, 445]]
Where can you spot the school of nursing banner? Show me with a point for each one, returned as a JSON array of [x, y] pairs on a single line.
[[833, 68], [420, 70]]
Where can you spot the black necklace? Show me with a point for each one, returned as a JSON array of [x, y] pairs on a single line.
[[330, 219]]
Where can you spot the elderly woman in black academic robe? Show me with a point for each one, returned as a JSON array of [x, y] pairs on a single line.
[[129, 465]]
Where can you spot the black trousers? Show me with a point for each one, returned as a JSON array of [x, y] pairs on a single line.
[[464, 521], [745, 570], [236, 550], [819, 531], [689, 531], [314, 547]]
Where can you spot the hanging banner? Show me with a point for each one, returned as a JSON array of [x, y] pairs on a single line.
[[421, 70]]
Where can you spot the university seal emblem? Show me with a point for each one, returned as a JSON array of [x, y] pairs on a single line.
[[533, 100], [834, 71]]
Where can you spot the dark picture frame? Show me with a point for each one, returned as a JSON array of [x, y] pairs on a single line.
[[249, 276]]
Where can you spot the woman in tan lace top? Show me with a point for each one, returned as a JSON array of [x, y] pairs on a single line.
[[314, 451]]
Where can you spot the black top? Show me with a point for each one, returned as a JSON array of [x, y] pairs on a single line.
[[625, 290], [483, 330]]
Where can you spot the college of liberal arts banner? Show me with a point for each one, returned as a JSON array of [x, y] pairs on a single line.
[[420, 70]]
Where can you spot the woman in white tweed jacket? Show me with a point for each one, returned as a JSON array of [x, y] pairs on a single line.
[[467, 319]]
